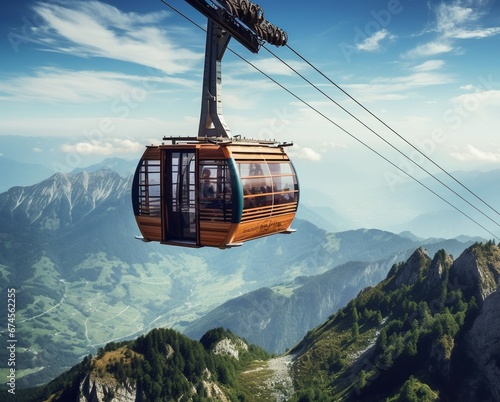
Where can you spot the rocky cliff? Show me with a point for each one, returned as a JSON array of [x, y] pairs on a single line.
[[430, 331], [484, 342], [96, 389], [410, 271], [478, 271]]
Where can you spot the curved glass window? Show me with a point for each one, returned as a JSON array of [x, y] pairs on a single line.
[[148, 188], [215, 190], [268, 186]]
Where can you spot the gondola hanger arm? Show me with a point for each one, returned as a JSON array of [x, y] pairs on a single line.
[[244, 21]]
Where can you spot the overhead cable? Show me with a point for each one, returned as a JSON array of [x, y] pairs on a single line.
[[362, 142], [380, 137], [394, 131], [342, 128]]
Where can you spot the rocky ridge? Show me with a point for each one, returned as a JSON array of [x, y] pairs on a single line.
[[230, 347], [436, 315], [96, 389], [477, 270]]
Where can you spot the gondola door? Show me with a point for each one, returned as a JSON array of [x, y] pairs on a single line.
[[180, 196]]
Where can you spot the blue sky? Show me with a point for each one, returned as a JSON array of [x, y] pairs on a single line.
[[106, 78]]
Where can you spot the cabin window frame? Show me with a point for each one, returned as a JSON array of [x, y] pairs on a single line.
[[215, 192], [264, 198], [180, 221], [148, 197]]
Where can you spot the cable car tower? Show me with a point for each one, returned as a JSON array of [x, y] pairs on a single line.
[[217, 190], [225, 22]]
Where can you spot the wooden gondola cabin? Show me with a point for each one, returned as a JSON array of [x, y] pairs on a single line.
[[213, 190], [219, 193]]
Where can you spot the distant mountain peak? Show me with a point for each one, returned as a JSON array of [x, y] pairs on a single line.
[[409, 272], [62, 199], [124, 168], [478, 268], [441, 262]]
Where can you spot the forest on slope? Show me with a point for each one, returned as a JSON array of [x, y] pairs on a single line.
[[427, 332]]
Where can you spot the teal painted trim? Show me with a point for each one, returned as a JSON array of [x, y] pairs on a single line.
[[237, 192], [135, 189], [297, 179]]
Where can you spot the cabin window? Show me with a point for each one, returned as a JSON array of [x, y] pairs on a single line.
[[149, 188], [285, 187], [214, 194], [267, 183]]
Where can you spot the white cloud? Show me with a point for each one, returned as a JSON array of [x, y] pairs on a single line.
[[399, 87], [430, 49], [100, 128], [452, 16], [429, 65], [477, 33], [477, 99], [58, 85], [94, 29], [459, 19], [100, 147], [305, 153], [373, 43], [472, 153]]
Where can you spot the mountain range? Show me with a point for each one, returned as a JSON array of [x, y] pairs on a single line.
[[82, 280], [427, 332], [406, 206]]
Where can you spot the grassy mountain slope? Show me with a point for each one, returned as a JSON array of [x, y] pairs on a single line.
[[428, 332], [161, 365], [409, 338], [279, 316]]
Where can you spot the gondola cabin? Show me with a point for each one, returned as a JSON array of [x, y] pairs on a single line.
[[214, 192]]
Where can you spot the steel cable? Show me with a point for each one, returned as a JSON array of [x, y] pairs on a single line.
[[383, 139], [345, 130], [394, 131]]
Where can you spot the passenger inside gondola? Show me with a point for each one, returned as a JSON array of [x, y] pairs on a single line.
[[207, 187]]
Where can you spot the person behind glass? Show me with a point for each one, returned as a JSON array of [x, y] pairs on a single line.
[[207, 188]]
